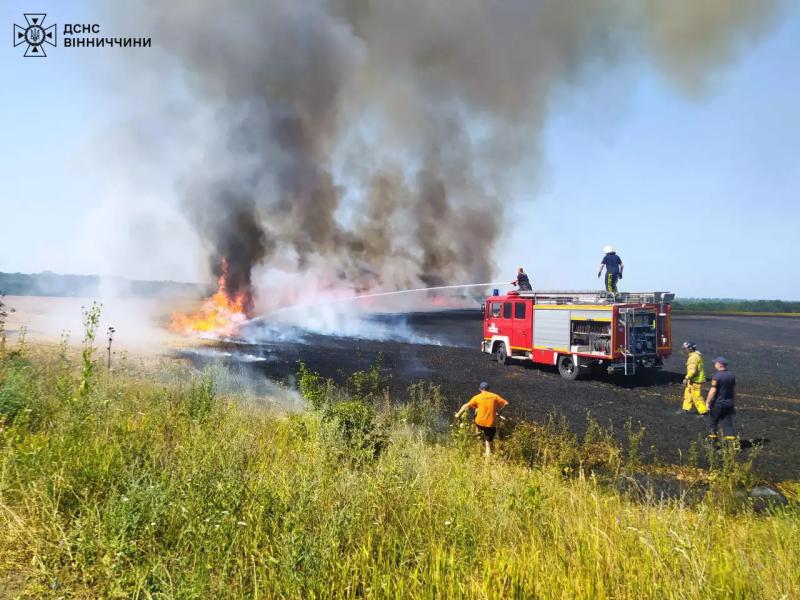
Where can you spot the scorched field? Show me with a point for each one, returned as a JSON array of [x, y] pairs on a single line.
[[443, 347]]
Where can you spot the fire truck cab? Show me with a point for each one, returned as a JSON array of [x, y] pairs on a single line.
[[579, 331]]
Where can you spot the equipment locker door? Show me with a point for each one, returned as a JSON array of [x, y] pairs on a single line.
[[521, 327]]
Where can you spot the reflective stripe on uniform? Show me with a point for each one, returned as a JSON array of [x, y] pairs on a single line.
[[611, 285], [695, 367]]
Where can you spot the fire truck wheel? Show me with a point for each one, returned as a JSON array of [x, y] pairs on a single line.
[[567, 367], [501, 354]]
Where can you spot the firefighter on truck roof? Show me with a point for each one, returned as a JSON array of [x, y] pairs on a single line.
[[695, 376], [522, 281], [613, 265]]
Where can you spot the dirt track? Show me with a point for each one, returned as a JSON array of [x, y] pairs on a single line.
[[764, 352]]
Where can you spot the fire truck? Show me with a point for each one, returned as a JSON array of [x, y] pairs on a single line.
[[579, 331]]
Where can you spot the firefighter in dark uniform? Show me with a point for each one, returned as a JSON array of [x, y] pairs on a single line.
[[613, 265], [522, 281], [720, 401]]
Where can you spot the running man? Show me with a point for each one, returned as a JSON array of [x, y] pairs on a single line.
[[487, 406]]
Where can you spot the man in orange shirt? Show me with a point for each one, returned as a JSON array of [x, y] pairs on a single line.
[[487, 408]]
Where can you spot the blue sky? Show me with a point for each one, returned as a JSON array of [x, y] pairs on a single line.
[[698, 194]]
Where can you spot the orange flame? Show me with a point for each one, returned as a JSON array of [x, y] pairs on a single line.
[[219, 315]]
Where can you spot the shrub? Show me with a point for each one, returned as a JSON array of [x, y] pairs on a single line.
[[5, 310], [729, 475], [91, 320], [423, 408], [16, 386], [357, 429], [313, 387], [635, 438], [554, 444], [367, 386], [599, 448], [200, 397]]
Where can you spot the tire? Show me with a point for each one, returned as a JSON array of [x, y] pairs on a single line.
[[567, 367], [501, 354]]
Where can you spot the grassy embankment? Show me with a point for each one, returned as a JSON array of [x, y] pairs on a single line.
[[158, 483]]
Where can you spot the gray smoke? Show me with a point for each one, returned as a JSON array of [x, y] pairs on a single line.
[[376, 141]]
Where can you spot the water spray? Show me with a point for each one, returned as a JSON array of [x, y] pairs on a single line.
[[375, 295]]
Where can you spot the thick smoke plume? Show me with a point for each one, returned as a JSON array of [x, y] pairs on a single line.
[[374, 142]]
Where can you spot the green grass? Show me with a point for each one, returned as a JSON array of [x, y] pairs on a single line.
[[154, 483]]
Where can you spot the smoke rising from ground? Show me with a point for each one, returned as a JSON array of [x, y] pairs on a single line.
[[373, 143]]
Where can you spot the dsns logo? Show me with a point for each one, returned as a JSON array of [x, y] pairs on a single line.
[[35, 35]]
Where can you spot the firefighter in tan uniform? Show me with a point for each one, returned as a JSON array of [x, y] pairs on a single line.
[[695, 376]]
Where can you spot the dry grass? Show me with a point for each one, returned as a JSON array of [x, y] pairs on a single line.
[[152, 484]]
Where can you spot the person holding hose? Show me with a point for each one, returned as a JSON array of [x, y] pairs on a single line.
[[695, 376], [522, 281], [614, 267], [487, 406]]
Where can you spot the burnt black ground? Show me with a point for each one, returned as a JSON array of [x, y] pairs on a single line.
[[764, 353]]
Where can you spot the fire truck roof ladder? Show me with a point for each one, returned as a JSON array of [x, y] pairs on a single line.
[[597, 297]]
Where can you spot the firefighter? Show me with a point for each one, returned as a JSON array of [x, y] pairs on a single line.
[[695, 376], [614, 267], [523, 281], [721, 402], [487, 406]]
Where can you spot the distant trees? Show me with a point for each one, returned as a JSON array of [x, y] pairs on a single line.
[[48, 283], [731, 305]]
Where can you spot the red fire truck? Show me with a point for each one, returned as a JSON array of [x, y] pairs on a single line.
[[579, 331]]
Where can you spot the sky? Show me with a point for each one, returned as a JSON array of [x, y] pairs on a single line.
[[698, 193]]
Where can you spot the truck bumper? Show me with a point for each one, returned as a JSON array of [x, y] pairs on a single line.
[[642, 362]]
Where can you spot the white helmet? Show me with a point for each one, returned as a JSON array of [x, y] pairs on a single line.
[[608, 249]]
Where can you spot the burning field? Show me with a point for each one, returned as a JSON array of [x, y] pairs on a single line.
[[442, 347], [220, 315]]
